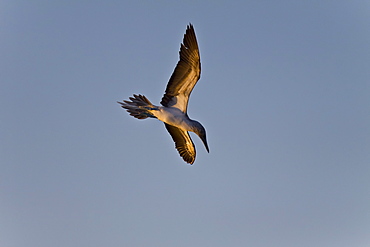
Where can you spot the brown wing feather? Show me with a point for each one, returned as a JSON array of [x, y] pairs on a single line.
[[186, 73], [183, 143]]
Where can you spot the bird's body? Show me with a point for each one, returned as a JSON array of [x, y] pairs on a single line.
[[173, 111], [173, 116]]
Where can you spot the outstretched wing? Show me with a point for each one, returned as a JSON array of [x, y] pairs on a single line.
[[183, 143], [185, 75]]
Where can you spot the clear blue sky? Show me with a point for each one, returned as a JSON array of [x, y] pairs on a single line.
[[284, 96]]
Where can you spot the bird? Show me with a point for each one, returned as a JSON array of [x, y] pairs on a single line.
[[173, 111]]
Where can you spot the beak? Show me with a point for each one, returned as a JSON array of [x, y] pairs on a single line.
[[204, 140]]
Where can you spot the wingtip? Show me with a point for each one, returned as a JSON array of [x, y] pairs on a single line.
[[188, 159], [190, 26]]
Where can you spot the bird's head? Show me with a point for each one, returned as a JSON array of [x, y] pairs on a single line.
[[201, 132]]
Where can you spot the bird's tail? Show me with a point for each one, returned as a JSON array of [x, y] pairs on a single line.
[[139, 107]]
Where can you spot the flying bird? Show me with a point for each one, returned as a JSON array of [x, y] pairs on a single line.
[[173, 111]]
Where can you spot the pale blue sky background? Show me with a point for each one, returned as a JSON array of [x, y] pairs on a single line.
[[284, 96]]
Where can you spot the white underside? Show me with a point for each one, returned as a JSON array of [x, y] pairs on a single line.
[[174, 117]]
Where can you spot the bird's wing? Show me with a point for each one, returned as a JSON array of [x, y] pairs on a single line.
[[183, 143], [185, 75]]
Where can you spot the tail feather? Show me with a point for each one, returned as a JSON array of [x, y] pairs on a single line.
[[139, 106]]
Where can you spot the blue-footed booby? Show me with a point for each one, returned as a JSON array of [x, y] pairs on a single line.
[[173, 111]]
